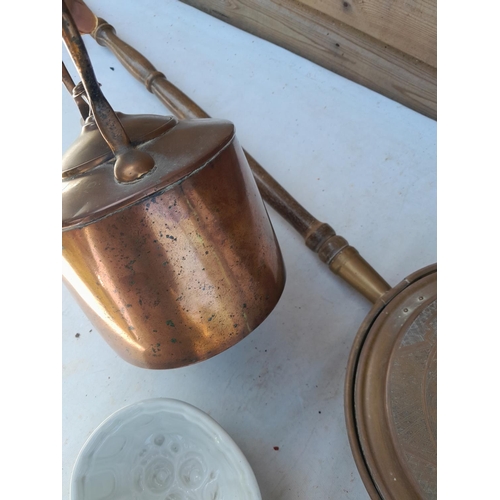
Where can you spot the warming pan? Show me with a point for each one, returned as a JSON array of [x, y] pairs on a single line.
[[390, 391]]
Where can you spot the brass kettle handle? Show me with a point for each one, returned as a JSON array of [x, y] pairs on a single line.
[[131, 163]]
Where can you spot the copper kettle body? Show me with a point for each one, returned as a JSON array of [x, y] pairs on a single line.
[[181, 264], [167, 245]]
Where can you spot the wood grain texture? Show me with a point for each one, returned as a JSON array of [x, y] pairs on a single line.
[[407, 25], [333, 45]]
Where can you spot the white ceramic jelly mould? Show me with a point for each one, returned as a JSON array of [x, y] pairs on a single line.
[[162, 449]]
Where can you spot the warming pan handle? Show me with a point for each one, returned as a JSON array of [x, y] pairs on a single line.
[[334, 250]]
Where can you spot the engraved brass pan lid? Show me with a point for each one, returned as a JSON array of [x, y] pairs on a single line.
[[390, 396]]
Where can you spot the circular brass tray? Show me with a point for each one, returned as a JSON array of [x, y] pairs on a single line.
[[390, 397]]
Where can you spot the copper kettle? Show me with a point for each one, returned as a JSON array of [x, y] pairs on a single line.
[[167, 245]]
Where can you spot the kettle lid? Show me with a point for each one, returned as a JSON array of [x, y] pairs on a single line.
[[178, 149]]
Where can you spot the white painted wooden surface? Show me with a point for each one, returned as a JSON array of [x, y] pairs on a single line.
[[355, 159]]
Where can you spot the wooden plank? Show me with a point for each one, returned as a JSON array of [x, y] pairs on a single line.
[[407, 25], [333, 45]]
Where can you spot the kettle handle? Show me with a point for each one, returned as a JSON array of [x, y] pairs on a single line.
[[131, 163], [83, 107]]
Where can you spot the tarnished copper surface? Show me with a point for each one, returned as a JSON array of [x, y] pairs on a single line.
[[182, 275], [391, 384]]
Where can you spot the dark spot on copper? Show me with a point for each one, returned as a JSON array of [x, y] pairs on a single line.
[[170, 322]]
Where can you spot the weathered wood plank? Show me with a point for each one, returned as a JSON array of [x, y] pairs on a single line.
[[333, 45], [407, 25]]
